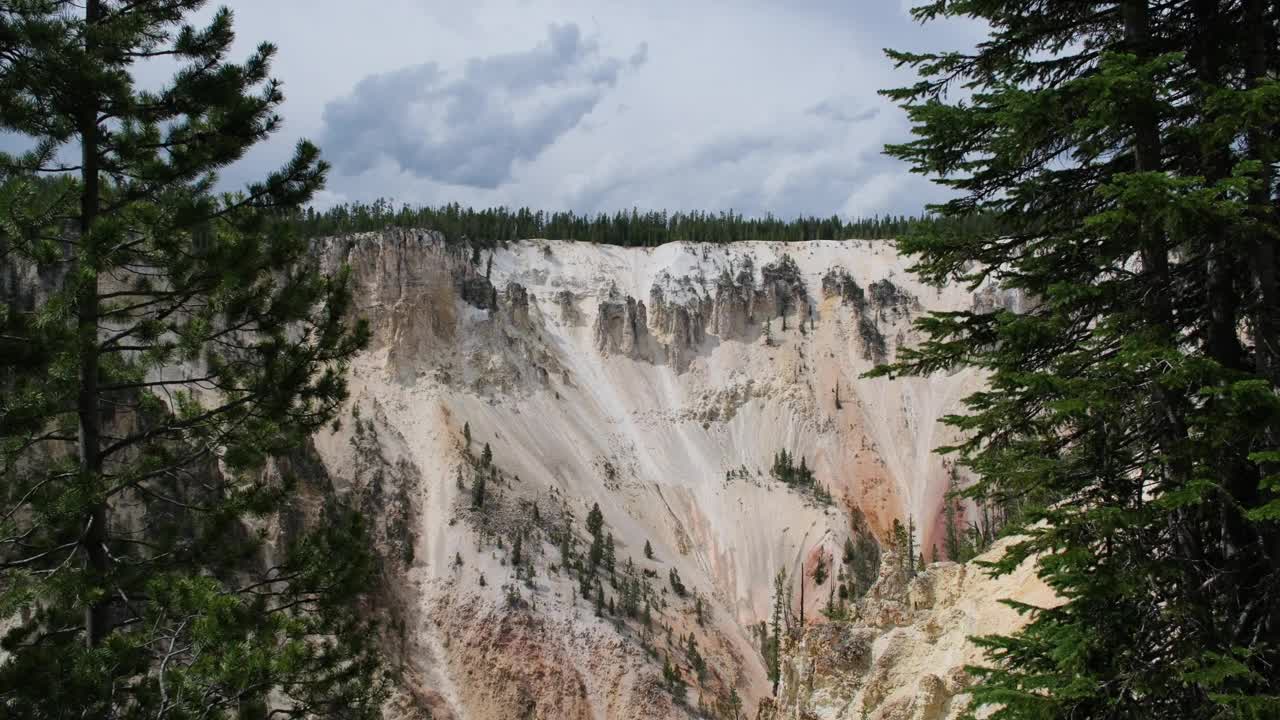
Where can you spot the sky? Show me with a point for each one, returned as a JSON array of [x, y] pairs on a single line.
[[596, 105]]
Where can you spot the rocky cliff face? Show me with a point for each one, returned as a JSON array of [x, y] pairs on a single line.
[[658, 384], [902, 653]]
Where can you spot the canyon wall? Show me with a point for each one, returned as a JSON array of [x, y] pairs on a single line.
[[659, 384]]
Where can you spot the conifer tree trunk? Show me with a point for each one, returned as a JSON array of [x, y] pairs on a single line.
[[1222, 341], [95, 534], [1146, 158], [1154, 251], [1267, 325]]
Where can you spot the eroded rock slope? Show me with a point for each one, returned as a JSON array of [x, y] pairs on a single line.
[[658, 383], [902, 653]]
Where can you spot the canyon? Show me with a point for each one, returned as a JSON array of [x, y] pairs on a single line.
[[659, 385]]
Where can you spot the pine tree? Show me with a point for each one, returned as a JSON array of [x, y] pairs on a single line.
[[566, 547], [180, 338], [466, 434], [486, 456], [781, 601], [595, 520], [1131, 428], [609, 558], [898, 538], [953, 541], [733, 706], [695, 658], [909, 552], [648, 550], [676, 585], [478, 492], [595, 527], [672, 680]]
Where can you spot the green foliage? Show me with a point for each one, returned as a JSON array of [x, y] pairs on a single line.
[[1128, 433], [964, 541], [729, 707], [821, 494], [861, 556], [478, 488], [566, 546], [648, 550], [676, 585], [177, 340], [781, 613], [695, 658], [595, 527], [786, 471], [800, 477], [820, 570], [629, 594], [608, 555], [672, 680], [904, 544]]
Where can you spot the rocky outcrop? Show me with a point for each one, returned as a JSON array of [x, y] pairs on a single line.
[[621, 326], [678, 328], [516, 299], [891, 301], [781, 292], [991, 298], [569, 314], [731, 309], [837, 282], [476, 290], [901, 654]]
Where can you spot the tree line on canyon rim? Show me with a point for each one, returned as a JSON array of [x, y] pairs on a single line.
[[1115, 161], [486, 228]]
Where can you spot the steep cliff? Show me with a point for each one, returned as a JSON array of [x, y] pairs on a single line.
[[656, 383], [902, 653]]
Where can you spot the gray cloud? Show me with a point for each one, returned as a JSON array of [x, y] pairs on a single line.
[[727, 111], [639, 56], [472, 130], [842, 110]]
